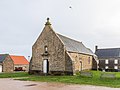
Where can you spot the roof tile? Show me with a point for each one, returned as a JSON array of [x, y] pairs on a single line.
[[19, 59], [108, 53], [2, 57], [75, 46]]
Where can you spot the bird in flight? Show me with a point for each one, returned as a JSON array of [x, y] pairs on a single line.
[[70, 7]]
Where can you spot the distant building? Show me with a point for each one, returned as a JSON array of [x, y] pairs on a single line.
[[20, 63], [6, 63], [53, 53], [10, 63], [109, 59]]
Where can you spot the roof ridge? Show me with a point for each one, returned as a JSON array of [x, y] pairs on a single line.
[[107, 48], [17, 55], [4, 54]]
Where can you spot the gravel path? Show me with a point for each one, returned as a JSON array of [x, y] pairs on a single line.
[[10, 84]]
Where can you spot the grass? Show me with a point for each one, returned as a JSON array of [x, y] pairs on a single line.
[[14, 75], [95, 80]]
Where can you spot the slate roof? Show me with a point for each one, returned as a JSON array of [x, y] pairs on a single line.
[[2, 57], [74, 46], [108, 53], [19, 59]]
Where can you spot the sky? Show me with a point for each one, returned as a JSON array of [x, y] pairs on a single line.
[[93, 22]]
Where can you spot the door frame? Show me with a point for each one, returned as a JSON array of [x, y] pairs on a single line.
[[45, 66], [1, 68]]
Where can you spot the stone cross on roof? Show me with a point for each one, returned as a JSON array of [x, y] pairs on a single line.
[[48, 22]]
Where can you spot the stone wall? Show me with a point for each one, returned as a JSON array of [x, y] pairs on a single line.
[[68, 63], [94, 64], [8, 65], [81, 59], [56, 52], [111, 63]]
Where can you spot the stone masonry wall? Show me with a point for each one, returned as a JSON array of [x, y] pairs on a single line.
[[68, 63], [55, 49], [8, 65], [85, 59]]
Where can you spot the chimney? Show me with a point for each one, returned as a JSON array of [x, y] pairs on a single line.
[[28, 58], [96, 48]]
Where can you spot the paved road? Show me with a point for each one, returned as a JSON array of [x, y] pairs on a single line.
[[10, 84]]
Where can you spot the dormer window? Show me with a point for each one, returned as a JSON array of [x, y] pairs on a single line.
[[46, 49]]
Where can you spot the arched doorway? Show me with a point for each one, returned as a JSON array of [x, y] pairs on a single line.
[[45, 66]]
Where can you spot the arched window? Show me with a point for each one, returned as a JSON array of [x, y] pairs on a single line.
[[46, 49]]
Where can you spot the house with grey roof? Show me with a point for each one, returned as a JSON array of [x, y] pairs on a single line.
[[6, 63], [108, 58], [55, 54]]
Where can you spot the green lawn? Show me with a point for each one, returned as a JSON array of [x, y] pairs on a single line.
[[14, 75], [95, 80]]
